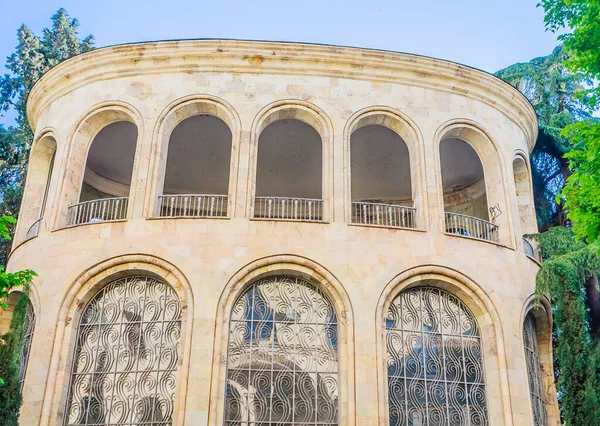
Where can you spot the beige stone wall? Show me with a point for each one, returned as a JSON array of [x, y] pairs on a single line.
[[208, 261]]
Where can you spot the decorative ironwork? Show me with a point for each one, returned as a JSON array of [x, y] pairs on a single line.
[[125, 361], [103, 210], [534, 371], [434, 361], [303, 209], [386, 215], [282, 358], [28, 327], [34, 229], [192, 205], [471, 227]]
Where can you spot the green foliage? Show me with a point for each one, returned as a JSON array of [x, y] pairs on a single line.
[[582, 191], [9, 280], [33, 56], [553, 91], [11, 347], [570, 264], [581, 20]]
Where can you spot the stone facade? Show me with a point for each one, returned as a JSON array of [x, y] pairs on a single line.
[[209, 261]]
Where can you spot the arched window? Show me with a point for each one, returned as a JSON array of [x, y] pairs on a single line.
[[534, 371], [289, 175], [196, 180], [28, 327], [126, 355], [465, 198], [104, 192], [282, 356], [434, 361], [39, 176], [381, 178], [524, 196]]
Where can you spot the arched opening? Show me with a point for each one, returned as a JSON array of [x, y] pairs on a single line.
[[104, 194], [282, 355], [381, 187], [435, 371], [524, 199], [19, 300], [464, 188], [196, 182], [39, 177], [126, 357], [289, 172], [535, 376]]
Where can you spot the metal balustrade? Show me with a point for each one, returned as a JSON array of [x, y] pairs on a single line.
[[471, 227], [531, 251], [282, 208], [192, 205], [386, 215], [34, 229], [95, 211]]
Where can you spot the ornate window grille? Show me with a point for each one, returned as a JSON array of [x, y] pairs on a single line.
[[126, 356], [534, 371], [434, 361], [28, 327], [282, 358]]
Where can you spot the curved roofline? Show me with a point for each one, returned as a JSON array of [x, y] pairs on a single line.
[[43, 86]]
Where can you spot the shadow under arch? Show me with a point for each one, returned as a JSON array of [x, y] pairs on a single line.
[[172, 115], [494, 170], [488, 320], [38, 184], [79, 142], [309, 114], [524, 202], [411, 135], [295, 266], [79, 293]]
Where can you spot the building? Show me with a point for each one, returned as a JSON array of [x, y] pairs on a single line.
[[255, 233]]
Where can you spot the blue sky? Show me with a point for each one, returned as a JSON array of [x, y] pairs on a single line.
[[485, 34]]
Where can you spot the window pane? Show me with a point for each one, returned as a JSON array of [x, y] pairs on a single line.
[[124, 367], [282, 359], [434, 361]]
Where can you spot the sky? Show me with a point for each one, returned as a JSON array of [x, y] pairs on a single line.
[[484, 34]]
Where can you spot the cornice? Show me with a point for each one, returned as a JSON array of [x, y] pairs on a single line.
[[258, 57]]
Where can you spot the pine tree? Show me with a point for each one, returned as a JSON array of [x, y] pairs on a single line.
[[33, 56]]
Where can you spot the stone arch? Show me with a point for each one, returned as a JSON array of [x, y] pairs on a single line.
[[310, 115], [80, 141], [492, 163], [39, 181], [175, 113], [31, 316], [524, 193], [412, 137], [541, 310], [476, 299], [295, 266], [80, 292]]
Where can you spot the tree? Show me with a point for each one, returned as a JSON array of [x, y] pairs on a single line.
[[581, 19], [33, 56], [553, 91], [9, 343]]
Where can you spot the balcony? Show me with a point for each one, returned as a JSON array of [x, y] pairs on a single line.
[[284, 208], [34, 229], [384, 215], [192, 205], [471, 227], [95, 211], [532, 251]]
